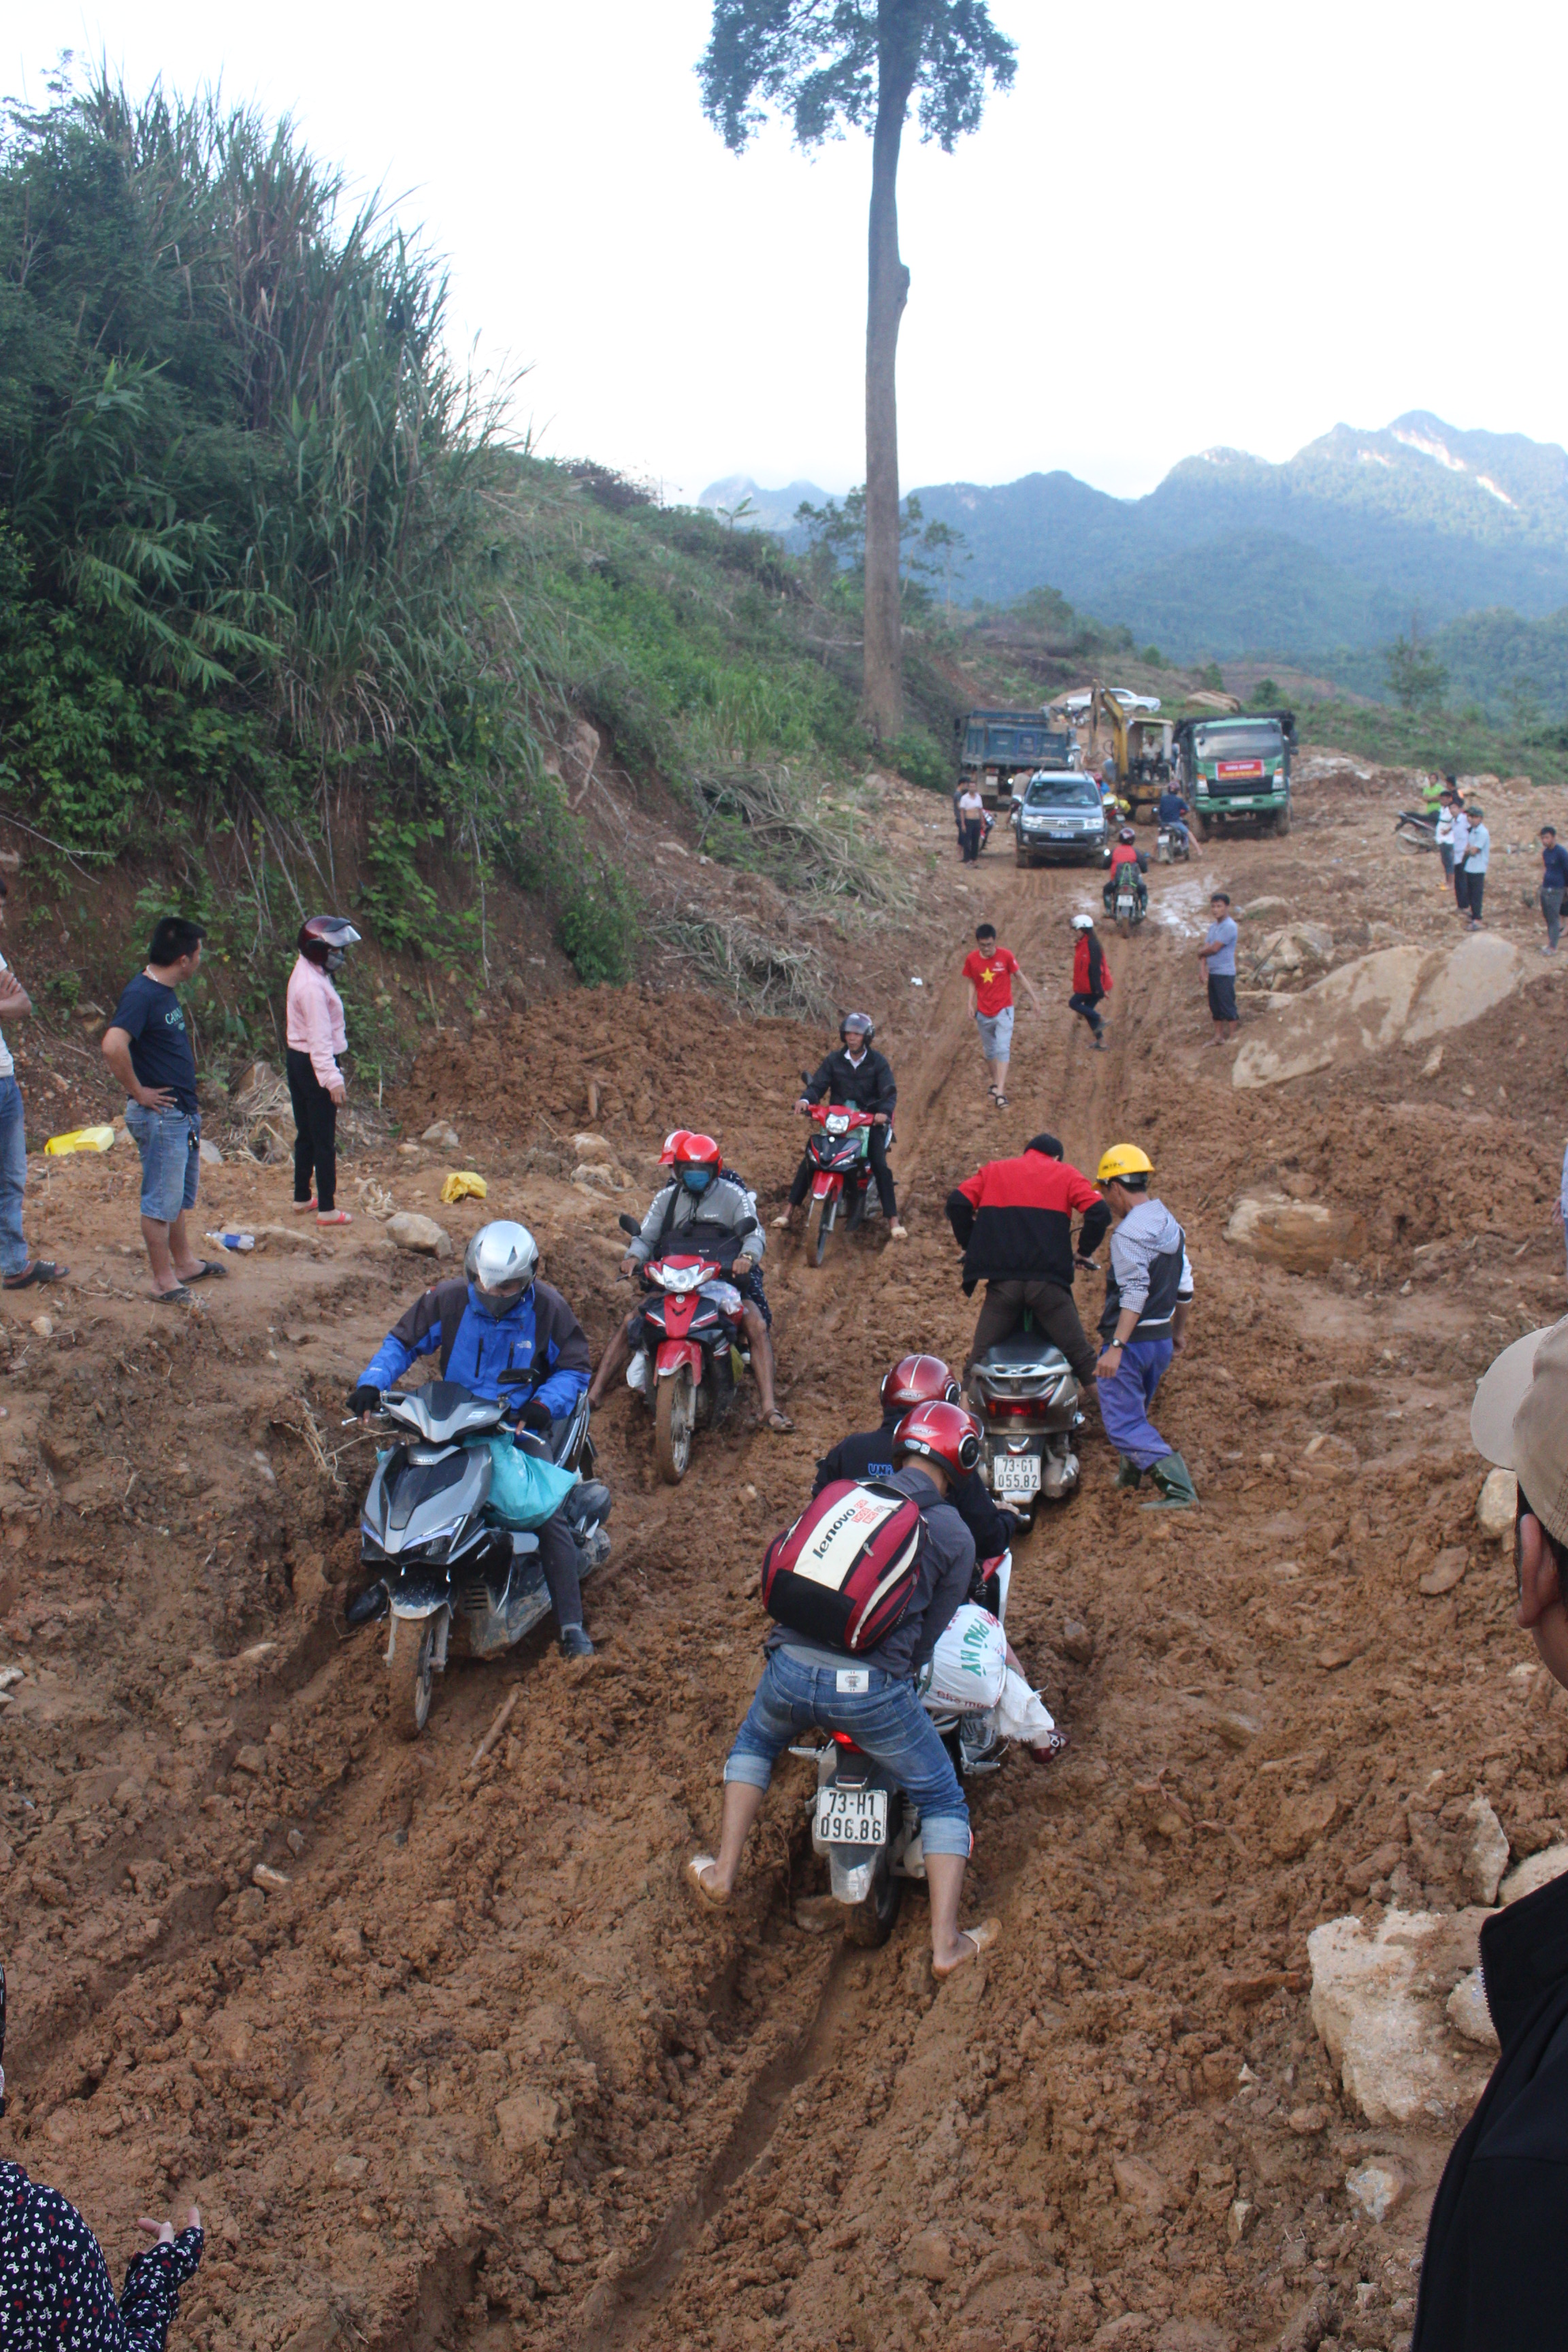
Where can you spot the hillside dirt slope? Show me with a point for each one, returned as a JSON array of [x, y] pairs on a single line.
[[478, 2074]]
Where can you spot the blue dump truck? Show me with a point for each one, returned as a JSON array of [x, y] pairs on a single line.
[[995, 746]]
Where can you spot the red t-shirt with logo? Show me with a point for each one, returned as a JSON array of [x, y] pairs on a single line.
[[993, 978]]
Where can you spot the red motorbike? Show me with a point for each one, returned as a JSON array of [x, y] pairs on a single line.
[[691, 1353], [839, 1152]]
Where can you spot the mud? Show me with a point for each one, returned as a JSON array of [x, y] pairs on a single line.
[[476, 2076]]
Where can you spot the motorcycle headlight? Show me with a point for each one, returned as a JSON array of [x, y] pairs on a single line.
[[837, 1125], [432, 1547]]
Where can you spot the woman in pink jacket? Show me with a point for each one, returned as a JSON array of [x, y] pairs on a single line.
[[316, 1036]]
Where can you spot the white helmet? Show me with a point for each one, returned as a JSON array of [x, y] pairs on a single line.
[[500, 1262], [1083, 922]]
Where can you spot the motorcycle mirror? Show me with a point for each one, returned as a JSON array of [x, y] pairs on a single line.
[[628, 1225]]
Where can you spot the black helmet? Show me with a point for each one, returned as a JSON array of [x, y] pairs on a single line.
[[325, 939], [860, 1023], [1127, 834]]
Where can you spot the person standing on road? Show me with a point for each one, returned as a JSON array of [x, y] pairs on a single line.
[[1477, 857], [990, 970], [1461, 838], [1217, 960], [1090, 978], [17, 1270], [1148, 1294], [1013, 1221], [316, 1034], [1553, 883], [971, 821], [148, 1047], [1448, 812]]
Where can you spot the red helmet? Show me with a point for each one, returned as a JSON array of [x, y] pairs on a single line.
[[683, 1149], [324, 939], [918, 1379], [943, 1433]]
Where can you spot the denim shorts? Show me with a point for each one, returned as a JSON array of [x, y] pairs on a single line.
[[886, 1720], [995, 1033], [170, 1162]]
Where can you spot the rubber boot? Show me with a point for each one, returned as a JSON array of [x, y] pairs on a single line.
[[1129, 1474], [1174, 1481]]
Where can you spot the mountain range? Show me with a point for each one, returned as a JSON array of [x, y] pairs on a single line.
[[1333, 551]]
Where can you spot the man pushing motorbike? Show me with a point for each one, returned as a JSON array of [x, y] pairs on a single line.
[[705, 1208], [1148, 1293], [922, 1379], [1013, 1220], [497, 1317], [862, 1079]]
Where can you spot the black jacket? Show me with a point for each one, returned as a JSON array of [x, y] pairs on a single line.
[[1495, 2274], [870, 1454], [1013, 1220], [870, 1087]]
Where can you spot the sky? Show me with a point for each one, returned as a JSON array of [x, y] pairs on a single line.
[[1182, 229]]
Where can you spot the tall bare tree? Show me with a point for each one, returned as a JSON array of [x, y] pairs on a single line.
[[829, 64]]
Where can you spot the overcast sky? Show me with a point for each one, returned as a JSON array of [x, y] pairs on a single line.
[[1185, 226]]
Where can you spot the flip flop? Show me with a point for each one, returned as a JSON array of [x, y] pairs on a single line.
[[981, 1937], [1001, 1101], [334, 1217], [42, 1269], [208, 1269], [779, 1423], [694, 1870], [303, 1208], [178, 1296]]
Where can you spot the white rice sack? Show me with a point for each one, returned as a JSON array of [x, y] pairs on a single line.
[[969, 1665], [1022, 1714]]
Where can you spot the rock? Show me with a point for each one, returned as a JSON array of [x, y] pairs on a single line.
[[1379, 1863], [412, 1232], [1538, 1870], [589, 1145], [927, 2256], [209, 1154], [1308, 2122], [527, 2122], [1238, 2221], [1139, 2184], [1486, 1853], [1236, 1730], [1296, 949], [42, 1326], [270, 1880], [818, 1914], [260, 1078], [1375, 2005], [250, 1758], [292, 1237], [1433, 1063], [1377, 2187], [1468, 2012], [409, 1151], [350, 2167], [1262, 911], [600, 1175], [1397, 996], [1301, 1821], [1077, 1642], [444, 1137], [1303, 1236], [1445, 1572], [1496, 1505]]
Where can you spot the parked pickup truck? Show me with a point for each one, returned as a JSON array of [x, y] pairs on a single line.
[[995, 746], [1236, 769]]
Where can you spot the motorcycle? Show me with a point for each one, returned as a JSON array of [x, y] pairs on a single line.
[[839, 1151], [1127, 902], [437, 1559], [1025, 1395], [693, 1350], [1172, 845], [1415, 829]]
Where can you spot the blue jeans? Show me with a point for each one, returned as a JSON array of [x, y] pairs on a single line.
[[1125, 1399], [13, 1177], [167, 1140], [886, 1720]]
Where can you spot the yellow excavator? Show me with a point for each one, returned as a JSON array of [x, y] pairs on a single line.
[[1134, 739]]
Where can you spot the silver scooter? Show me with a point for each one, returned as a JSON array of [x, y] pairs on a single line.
[[1026, 1395]]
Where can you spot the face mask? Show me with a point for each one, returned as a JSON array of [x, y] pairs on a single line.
[[334, 958], [696, 1180], [497, 1302]]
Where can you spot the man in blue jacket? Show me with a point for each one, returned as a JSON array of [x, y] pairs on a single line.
[[496, 1317]]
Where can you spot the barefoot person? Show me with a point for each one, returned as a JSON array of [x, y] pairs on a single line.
[[1216, 961], [989, 970], [872, 1696], [148, 1047], [19, 1269]]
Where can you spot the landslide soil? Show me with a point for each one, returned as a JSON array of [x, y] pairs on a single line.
[[473, 2073]]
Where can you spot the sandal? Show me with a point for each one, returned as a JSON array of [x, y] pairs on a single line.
[[981, 1937], [42, 1269], [1001, 1101], [334, 1217], [779, 1423], [694, 1870], [178, 1296], [303, 1208], [208, 1269]]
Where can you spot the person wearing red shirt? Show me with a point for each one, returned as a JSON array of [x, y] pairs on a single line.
[[1013, 1220], [1126, 853], [1090, 978], [990, 970]]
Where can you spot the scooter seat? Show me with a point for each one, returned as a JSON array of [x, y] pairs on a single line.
[[1025, 1352]]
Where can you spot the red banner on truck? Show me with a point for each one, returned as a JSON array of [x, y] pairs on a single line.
[[1227, 771]]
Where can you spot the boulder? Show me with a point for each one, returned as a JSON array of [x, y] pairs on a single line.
[[1262, 911], [1397, 996], [1496, 1505], [1298, 946], [412, 1232], [1377, 2004], [443, 1135], [1303, 1236], [211, 1157], [1486, 1852], [1538, 1870], [1468, 2012]]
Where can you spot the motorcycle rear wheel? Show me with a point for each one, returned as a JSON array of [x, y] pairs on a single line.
[[410, 1674], [869, 1924], [820, 1220], [674, 1412]]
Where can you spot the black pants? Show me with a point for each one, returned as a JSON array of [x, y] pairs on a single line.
[[1054, 1312], [881, 1171], [973, 828], [316, 1132], [558, 1558], [1474, 892], [1090, 1008]]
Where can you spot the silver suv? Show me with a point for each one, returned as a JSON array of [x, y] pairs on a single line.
[[1059, 816]]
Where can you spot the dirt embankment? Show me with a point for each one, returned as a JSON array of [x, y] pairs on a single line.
[[472, 2073]]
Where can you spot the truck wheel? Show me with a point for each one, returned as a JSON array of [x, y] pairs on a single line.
[[1205, 830], [1282, 819], [412, 1649], [674, 1412], [869, 1924]]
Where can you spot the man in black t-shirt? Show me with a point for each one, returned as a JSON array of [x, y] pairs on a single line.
[[148, 1047]]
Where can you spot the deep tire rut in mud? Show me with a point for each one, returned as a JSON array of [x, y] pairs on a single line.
[[447, 2052]]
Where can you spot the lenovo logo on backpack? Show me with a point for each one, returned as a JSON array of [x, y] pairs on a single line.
[[843, 1573]]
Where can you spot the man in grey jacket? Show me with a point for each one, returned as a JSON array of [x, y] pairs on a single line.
[[1148, 1293], [704, 1207]]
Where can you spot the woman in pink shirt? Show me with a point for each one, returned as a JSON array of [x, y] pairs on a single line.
[[316, 1036]]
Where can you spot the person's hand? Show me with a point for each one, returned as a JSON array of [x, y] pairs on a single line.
[[745, 1264], [1110, 1364], [155, 1097], [803, 1104], [364, 1401], [1178, 1344], [165, 2230], [337, 1093], [878, 1118], [629, 1265]]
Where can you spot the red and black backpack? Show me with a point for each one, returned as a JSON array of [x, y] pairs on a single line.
[[845, 1572]]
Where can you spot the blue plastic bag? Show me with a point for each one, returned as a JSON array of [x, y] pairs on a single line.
[[524, 1491]]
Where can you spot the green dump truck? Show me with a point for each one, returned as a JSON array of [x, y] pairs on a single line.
[[1237, 768]]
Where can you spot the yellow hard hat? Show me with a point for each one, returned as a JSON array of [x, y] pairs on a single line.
[[1122, 1160]]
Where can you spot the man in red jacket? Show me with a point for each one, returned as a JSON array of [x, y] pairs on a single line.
[[1013, 1220], [1090, 978]]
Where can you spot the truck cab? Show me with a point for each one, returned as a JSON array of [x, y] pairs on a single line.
[[1238, 769], [995, 747]]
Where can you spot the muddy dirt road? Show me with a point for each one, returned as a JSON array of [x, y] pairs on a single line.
[[467, 2070]]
